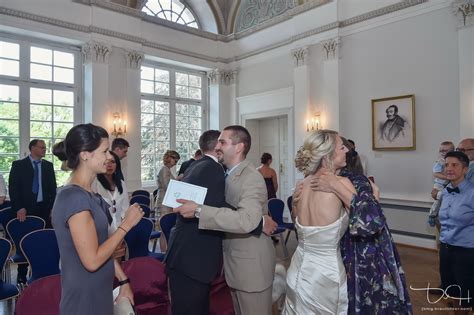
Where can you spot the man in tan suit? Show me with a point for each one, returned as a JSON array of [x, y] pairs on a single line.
[[249, 260]]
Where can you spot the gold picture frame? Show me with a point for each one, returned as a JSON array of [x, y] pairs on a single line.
[[393, 123]]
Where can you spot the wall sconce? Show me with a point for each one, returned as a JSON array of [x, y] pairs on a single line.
[[120, 126], [314, 123]]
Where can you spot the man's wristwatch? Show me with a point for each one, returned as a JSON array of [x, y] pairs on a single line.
[[197, 212]]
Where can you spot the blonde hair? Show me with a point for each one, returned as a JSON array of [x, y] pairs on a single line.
[[316, 146]]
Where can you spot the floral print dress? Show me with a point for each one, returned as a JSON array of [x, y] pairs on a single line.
[[375, 279]]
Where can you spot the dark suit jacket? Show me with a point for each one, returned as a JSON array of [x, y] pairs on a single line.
[[21, 183], [193, 252], [185, 166]]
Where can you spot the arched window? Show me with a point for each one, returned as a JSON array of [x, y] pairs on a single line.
[[171, 10]]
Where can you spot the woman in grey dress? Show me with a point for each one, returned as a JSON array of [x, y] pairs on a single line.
[[80, 219]]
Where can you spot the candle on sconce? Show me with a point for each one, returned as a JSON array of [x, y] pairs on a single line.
[[317, 124], [307, 125], [125, 126], [312, 123], [115, 125]]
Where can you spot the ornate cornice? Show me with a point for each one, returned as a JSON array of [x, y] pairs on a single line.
[[464, 9], [330, 48], [300, 56], [224, 77], [134, 59], [96, 52]]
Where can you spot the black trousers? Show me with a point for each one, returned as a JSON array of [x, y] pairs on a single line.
[[188, 296], [456, 267]]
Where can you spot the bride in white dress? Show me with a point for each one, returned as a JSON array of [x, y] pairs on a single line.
[[316, 278]]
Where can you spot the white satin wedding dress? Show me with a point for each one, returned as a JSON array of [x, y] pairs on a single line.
[[316, 279]]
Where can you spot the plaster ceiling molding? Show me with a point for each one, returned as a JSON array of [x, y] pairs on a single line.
[[134, 59], [220, 76], [219, 17], [300, 56], [464, 10], [213, 76], [253, 12], [96, 52], [330, 48]]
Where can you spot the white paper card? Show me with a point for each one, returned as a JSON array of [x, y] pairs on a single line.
[[181, 190]]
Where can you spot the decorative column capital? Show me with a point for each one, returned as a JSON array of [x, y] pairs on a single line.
[[96, 52], [224, 77], [300, 56], [464, 10], [134, 59], [330, 48]]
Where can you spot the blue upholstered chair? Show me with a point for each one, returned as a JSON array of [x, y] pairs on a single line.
[[7, 290], [276, 207], [6, 215], [291, 226], [138, 238], [141, 192], [41, 251], [167, 222], [143, 200], [17, 230]]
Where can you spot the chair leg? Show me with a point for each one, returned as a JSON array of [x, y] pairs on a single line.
[[154, 245], [285, 249], [287, 236]]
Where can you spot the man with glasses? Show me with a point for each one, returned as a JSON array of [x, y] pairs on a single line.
[[466, 146]]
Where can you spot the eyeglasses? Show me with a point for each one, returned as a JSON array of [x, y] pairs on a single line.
[[464, 150], [113, 207]]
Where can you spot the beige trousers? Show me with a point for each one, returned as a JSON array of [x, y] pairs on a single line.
[[252, 303]]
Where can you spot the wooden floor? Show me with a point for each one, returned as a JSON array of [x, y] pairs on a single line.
[[421, 268]]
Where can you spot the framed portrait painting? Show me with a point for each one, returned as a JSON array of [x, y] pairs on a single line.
[[393, 123]]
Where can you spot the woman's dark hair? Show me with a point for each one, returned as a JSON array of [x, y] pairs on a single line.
[[118, 182], [82, 138], [265, 158], [59, 151], [353, 162]]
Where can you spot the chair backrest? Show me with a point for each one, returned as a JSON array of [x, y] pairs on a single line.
[[41, 250], [138, 237], [146, 209], [144, 200], [289, 203], [150, 285], [141, 192], [5, 249], [41, 297], [276, 207], [166, 223], [17, 229]]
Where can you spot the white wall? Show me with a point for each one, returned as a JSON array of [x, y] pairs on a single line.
[[413, 56]]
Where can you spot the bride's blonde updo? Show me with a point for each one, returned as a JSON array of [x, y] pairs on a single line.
[[316, 146]]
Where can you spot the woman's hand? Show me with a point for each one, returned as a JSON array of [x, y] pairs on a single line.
[[125, 292], [326, 181], [132, 216], [119, 251]]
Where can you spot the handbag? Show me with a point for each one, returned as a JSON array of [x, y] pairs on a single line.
[[124, 307]]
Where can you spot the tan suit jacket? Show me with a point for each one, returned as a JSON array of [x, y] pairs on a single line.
[[249, 261]]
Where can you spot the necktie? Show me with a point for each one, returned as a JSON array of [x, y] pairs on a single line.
[[453, 190], [35, 188]]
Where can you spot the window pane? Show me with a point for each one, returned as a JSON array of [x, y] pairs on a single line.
[[194, 135], [10, 50], [9, 67], [181, 134], [162, 89], [63, 75], [147, 106], [194, 110], [162, 120], [147, 73], [182, 122], [162, 134], [41, 72], [193, 25], [147, 120], [181, 109], [41, 55], [63, 59], [146, 86], [63, 114], [9, 145], [195, 81], [162, 75], [62, 177], [195, 123], [63, 98], [148, 147], [181, 91], [40, 96], [61, 129], [9, 128], [162, 108], [9, 110], [147, 173], [147, 133], [41, 112], [6, 163], [41, 129], [195, 93], [181, 78], [9, 93]]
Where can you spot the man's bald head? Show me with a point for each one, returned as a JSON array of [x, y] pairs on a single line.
[[467, 146]]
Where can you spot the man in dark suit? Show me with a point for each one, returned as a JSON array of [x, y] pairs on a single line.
[[185, 165], [194, 256], [32, 186]]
